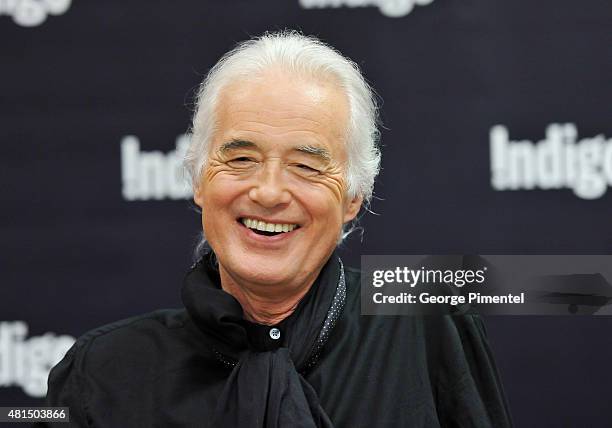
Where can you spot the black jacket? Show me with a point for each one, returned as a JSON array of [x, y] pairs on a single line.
[[181, 368]]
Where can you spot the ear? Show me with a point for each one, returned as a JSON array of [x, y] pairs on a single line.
[[352, 208], [198, 195]]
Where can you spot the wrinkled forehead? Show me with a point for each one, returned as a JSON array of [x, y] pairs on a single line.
[[279, 106]]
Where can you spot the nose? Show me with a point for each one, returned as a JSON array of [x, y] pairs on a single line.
[[269, 189]]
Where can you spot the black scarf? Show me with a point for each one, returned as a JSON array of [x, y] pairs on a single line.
[[266, 387]]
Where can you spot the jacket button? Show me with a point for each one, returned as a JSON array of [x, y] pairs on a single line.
[[275, 333]]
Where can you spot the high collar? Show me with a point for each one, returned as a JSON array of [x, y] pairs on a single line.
[[220, 317]]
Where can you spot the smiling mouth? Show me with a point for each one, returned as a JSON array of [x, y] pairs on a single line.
[[267, 229]]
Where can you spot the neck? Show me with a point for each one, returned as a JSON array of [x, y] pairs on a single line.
[[264, 303]]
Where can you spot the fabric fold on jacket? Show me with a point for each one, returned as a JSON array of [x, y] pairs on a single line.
[[265, 387]]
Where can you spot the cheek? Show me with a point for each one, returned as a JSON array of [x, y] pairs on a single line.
[[218, 195], [324, 207]]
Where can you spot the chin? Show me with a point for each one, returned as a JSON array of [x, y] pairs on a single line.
[[261, 272]]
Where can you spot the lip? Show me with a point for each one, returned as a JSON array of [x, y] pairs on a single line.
[[249, 234]]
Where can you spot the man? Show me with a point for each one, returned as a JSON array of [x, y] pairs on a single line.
[[284, 153]]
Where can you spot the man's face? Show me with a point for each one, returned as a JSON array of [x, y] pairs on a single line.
[[276, 162]]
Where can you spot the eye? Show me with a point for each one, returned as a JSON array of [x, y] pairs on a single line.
[[309, 168], [241, 162], [305, 169]]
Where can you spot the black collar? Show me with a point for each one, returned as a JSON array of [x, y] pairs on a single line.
[[220, 317]]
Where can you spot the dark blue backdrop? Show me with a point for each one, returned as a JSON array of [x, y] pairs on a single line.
[[80, 247]]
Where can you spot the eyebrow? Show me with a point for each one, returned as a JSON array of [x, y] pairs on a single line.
[[236, 144], [315, 151]]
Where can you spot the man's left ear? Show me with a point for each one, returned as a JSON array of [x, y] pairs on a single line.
[[352, 208]]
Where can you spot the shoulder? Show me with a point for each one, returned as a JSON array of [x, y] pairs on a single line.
[[125, 342], [436, 326], [119, 353], [433, 324], [439, 337], [137, 328]]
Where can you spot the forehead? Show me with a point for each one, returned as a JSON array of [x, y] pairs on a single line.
[[281, 108]]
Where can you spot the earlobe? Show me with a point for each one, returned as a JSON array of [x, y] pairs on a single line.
[[198, 198], [353, 208]]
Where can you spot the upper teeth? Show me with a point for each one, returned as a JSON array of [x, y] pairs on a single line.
[[267, 227]]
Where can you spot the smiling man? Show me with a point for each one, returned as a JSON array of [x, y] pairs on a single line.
[[274, 194], [283, 155]]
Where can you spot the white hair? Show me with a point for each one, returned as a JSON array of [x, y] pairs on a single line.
[[303, 55]]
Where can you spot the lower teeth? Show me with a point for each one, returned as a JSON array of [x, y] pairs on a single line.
[[263, 232]]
